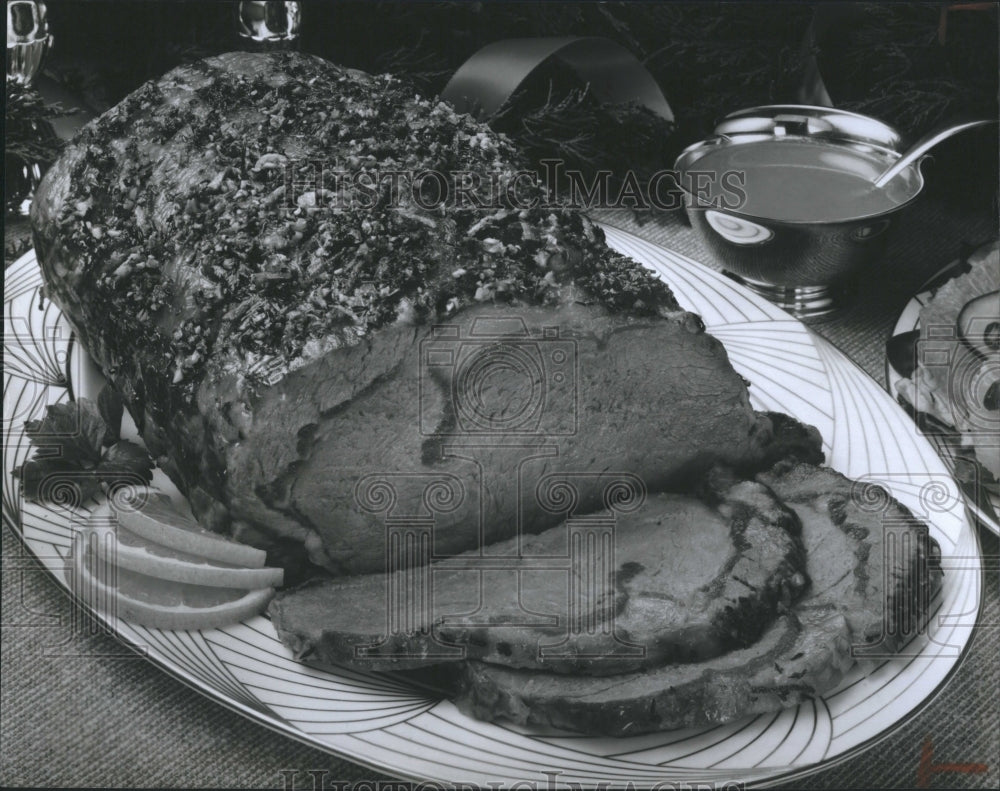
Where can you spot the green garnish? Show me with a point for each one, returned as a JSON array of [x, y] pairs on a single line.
[[78, 452]]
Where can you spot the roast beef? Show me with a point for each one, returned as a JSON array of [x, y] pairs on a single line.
[[864, 599], [274, 340], [869, 556], [801, 655], [674, 580], [347, 372]]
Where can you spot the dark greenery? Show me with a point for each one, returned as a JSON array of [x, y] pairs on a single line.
[[77, 452], [891, 61], [30, 145], [888, 60], [553, 115], [14, 247], [714, 58], [709, 58], [26, 129]]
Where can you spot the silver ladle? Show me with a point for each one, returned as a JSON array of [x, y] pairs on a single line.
[[922, 146]]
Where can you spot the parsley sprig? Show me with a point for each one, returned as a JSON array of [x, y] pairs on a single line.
[[77, 445]]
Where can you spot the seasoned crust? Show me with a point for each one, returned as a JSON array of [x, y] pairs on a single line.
[[172, 209]]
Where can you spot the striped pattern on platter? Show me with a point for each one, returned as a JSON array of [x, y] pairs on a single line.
[[401, 730]]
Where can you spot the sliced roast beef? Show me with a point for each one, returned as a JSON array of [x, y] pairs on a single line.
[[675, 580], [799, 656], [859, 598], [868, 554], [652, 399]]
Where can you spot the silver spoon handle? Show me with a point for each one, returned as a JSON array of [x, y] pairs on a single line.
[[924, 145]]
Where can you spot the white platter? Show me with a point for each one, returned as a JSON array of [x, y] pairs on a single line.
[[400, 731]]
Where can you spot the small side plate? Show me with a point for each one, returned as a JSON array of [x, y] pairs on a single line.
[[983, 504]]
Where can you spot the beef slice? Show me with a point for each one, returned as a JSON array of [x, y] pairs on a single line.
[[676, 580], [859, 598]]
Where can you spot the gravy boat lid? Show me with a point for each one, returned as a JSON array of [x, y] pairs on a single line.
[[800, 120]]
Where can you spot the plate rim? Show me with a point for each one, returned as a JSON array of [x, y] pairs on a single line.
[[892, 378], [275, 724]]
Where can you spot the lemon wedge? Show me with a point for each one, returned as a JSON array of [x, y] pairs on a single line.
[[155, 566], [158, 520], [139, 551], [148, 601], [135, 553]]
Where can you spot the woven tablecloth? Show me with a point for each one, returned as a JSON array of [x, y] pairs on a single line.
[[80, 710]]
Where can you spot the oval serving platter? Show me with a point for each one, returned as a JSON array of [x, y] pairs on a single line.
[[400, 730]]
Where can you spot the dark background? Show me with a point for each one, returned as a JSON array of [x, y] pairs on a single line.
[[912, 65], [898, 59]]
